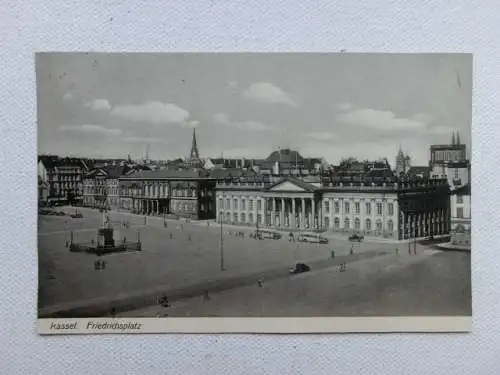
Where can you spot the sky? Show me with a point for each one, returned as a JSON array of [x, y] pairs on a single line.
[[249, 104]]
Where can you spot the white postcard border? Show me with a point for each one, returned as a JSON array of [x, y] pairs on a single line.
[[210, 325]]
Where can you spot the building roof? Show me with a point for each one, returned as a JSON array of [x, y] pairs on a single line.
[[462, 190], [419, 170], [168, 174], [304, 185]]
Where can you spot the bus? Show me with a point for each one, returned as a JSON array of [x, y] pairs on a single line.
[[312, 237], [267, 233]]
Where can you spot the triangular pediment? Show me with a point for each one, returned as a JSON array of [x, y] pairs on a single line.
[[287, 186]]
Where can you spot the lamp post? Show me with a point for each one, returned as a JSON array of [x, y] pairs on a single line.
[[221, 243]]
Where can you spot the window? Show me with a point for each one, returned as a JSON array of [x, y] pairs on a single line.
[[390, 226], [460, 212], [327, 207], [379, 226], [368, 207], [243, 218], [356, 207], [390, 209], [228, 203], [357, 224], [235, 204], [346, 207], [336, 223], [379, 208], [221, 203], [460, 199], [259, 205], [250, 218], [347, 223], [235, 217], [243, 204], [368, 225], [250, 205]]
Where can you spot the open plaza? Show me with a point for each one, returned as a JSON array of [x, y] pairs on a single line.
[[182, 260]]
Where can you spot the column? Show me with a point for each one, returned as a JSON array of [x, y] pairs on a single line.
[[331, 214], [303, 216], [292, 222], [264, 206], [282, 214], [313, 209], [273, 213]]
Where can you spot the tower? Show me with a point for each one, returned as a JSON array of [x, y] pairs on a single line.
[[453, 138], [458, 138], [194, 148]]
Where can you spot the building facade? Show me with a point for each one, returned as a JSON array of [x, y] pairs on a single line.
[[184, 193], [101, 187], [451, 161], [460, 201], [63, 178], [397, 209]]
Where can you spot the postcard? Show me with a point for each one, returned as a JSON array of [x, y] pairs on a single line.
[[254, 192]]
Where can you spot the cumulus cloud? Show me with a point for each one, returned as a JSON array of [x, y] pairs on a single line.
[[192, 124], [249, 125], [265, 92], [154, 112], [383, 120], [321, 136], [88, 128], [98, 105]]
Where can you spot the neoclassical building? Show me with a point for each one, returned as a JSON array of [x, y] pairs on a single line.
[[373, 204], [185, 193]]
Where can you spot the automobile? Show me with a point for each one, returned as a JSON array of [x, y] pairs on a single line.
[[356, 238], [312, 238], [267, 233], [300, 268], [76, 216]]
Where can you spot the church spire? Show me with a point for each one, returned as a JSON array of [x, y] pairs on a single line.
[[458, 137], [453, 138], [194, 147]]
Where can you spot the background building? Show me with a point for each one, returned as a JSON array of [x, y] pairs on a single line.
[[63, 179]]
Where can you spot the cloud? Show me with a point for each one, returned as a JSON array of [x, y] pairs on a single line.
[[144, 140], [98, 105], [383, 120], [91, 129], [321, 136], [68, 96], [265, 92], [439, 130], [249, 125], [192, 124], [232, 85], [155, 112]]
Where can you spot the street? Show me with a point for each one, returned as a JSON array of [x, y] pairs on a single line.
[[190, 259]]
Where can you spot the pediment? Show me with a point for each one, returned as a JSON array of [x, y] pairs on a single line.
[[287, 186]]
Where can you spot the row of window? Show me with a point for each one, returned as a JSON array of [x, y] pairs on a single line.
[[243, 205], [379, 207], [347, 206], [242, 218]]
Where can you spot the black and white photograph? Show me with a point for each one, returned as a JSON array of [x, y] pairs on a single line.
[[253, 185]]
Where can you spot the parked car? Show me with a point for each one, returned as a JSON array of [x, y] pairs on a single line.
[[300, 268], [356, 238], [77, 216]]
